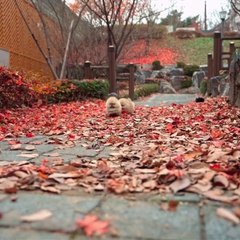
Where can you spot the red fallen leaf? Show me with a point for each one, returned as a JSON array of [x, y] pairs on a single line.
[[71, 136], [215, 133], [116, 185], [170, 128], [29, 135], [91, 225], [11, 190]]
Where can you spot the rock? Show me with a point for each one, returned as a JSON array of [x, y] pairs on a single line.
[[172, 71], [166, 87], [190, 90], [139, 77], [215, 86], [176, 82], [197, 78]]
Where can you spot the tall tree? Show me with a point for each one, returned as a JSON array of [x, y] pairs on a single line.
[[116, 17]]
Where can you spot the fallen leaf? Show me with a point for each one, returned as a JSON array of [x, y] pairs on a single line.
[[30, 148], [91, 225], [50, 189], [38, 216], [180, 184], [16, 146], [228, 215], [28, 155]]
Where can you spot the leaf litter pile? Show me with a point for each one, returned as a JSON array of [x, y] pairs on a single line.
[[168, 149]]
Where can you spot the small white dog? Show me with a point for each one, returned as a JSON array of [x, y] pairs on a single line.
[[113, 106], [127, 105]]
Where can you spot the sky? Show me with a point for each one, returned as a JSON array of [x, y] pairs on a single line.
[[191, 8]]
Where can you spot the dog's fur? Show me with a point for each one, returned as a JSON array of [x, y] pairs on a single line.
[[113, 106], [127, 105]]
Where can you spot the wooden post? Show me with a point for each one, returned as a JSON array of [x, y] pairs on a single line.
[[231, 48], [131, 81], [217, 54], [112, 69], [87, 70], [210, 72]]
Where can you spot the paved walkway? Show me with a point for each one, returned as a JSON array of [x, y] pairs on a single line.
[[134, 216], [167, 99]]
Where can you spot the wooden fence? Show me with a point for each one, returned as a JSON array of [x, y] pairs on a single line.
[[220, 59]]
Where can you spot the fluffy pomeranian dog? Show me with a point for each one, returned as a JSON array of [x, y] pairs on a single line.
[[113, 106], [127, 104]]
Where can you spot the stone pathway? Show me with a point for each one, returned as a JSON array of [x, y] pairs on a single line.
[[167, 99], [132, 216]]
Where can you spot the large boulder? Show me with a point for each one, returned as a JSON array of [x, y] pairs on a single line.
[[172, 71], [176, 81], [166, 87], [197, 78]]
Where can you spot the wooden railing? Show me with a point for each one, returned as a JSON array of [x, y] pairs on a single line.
[[220, 60]]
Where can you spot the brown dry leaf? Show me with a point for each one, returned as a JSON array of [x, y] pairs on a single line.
[[180, 184], [16, 146], [228, 215], [65, 175], [28, 155], [38, 216], [200, 187], [216, 197], [236, 211], [190, 156], [221, 180], [237, 191], [216, 154], [50, 189], [30, 148], [7, 184]]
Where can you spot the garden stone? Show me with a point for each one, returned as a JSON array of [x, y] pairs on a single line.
[[166, 87], [176, 82], [214, 86], [197, 78], [172, 71]]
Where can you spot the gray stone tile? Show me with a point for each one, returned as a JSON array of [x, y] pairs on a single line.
[[186, 197], [78, 151], [147, 221], [25, 234], [65, 210], [218, 228], [13, 156]]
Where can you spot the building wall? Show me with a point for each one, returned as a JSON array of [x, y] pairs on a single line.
[[17, 39]]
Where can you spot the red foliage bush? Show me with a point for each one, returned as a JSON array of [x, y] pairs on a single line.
[[14, 91]]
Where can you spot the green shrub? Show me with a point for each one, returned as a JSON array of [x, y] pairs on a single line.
[[203, 87], [190, 69], [156, 65], [186, 83], [73, 90], [181, 65], [147, 89]]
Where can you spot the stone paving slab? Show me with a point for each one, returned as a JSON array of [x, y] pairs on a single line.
[[166, 99], [27, 234], [147, 221], [65, 210], [218, 228]]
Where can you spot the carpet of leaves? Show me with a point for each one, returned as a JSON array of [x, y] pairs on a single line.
[[167, 149]]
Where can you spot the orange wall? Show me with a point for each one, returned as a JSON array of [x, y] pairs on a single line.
[[17, 39]]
